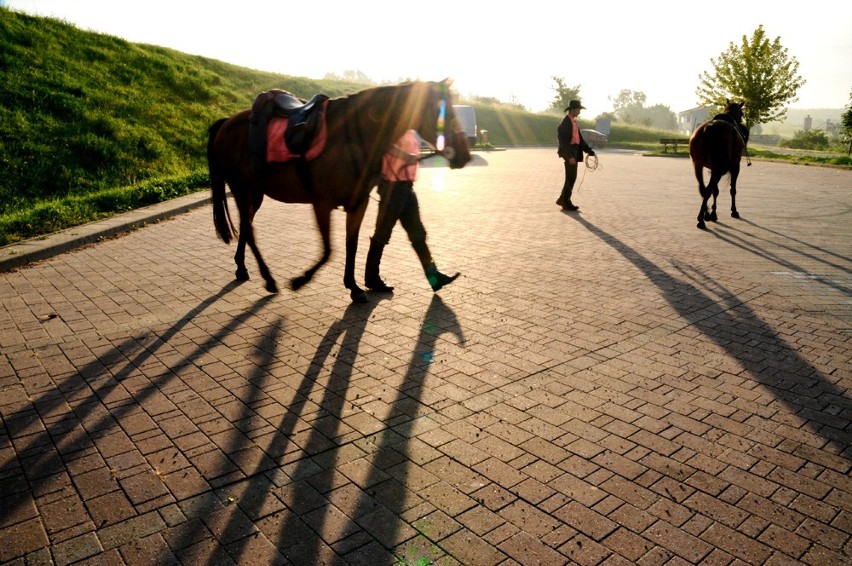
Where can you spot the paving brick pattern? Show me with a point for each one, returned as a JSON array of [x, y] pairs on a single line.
[[606, 387]]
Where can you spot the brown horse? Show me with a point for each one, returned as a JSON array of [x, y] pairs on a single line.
[[360, 128], [718, 145]]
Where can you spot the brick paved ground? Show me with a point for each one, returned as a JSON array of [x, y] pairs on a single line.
[[610, 387]]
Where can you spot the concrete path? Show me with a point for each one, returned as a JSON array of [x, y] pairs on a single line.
[[612, 386]]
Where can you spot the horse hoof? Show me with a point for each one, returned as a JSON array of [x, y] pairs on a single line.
[[702, 226], [242, 274], [272, 286], [359, 296], [713, 218], [735, 214]]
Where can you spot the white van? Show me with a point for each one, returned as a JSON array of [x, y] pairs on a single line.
[[466, 117]]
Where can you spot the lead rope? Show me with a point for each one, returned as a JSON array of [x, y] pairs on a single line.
[[592, 164], [745, 147]]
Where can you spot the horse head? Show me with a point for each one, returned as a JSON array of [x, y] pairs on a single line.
[[436, 122], [734, 110]]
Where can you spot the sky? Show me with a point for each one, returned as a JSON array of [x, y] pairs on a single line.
[[505, 50]]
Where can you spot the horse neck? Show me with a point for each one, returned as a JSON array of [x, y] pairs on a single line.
[[373, 119], [734, 116]]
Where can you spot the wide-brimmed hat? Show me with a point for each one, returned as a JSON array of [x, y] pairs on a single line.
[[575, 104]]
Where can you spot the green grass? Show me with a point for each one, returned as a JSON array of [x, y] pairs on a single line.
[[49, 215], [92, 125]]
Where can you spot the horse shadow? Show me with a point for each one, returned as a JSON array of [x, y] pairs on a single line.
[[773, 363], [752, 242], [93, 413], [280, 475], [803, 243], [739, 239]]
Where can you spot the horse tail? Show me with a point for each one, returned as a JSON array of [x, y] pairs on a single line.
[[221, 215]]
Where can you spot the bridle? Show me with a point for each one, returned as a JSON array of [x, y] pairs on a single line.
[[441, 147]]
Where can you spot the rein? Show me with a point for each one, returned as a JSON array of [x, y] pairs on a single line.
[[434, 152]]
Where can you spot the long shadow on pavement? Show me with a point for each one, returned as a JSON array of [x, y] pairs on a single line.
[[814, 249], [779, 368], [296, 533], [341, 499], [77, 419], [746, 242]]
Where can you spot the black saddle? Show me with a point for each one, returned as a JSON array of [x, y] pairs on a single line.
[[303, 122]]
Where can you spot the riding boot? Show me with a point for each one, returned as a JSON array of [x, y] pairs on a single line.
[[436, 279], [371, 272]]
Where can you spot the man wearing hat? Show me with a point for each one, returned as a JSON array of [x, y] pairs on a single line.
[[571, 148]]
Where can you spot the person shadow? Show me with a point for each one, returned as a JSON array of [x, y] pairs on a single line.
[[348, 474]]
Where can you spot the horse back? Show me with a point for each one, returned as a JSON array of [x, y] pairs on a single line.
[[716, 145]]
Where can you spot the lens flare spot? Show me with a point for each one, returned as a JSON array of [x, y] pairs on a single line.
[[439, 181]]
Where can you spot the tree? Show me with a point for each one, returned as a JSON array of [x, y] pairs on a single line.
[[628, 105], [846, 125], [660, 116], [564, 95], [758, 72]]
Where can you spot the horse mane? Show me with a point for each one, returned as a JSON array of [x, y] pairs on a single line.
[[388, 110], [403, 102]]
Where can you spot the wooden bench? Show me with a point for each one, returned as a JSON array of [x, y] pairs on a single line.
[[674, 143]]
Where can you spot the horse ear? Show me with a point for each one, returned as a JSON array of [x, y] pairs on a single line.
[[448, 82]]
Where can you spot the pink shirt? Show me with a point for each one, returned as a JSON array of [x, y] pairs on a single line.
[[575, 131], [395, 167]]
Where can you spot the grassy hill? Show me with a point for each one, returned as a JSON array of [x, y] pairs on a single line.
[[83, 113]]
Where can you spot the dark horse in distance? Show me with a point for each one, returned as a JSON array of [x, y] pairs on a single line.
[[360, 128], [718, 145]]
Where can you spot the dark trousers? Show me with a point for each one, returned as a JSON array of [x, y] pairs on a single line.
[[570, 179], [398, 202]]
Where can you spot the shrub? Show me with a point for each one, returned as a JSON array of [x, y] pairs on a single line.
[[807, 139]]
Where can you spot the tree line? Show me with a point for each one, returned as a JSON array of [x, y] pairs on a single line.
[[758, 71]]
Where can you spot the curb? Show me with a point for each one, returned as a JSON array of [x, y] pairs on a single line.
[[43, 247]]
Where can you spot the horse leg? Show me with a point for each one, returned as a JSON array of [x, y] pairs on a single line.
[[322, 212], [240, 257], [246, 218], [353, 228], [702, 190], [735, 171], [247, 212], [271, 285], [713, 191]]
